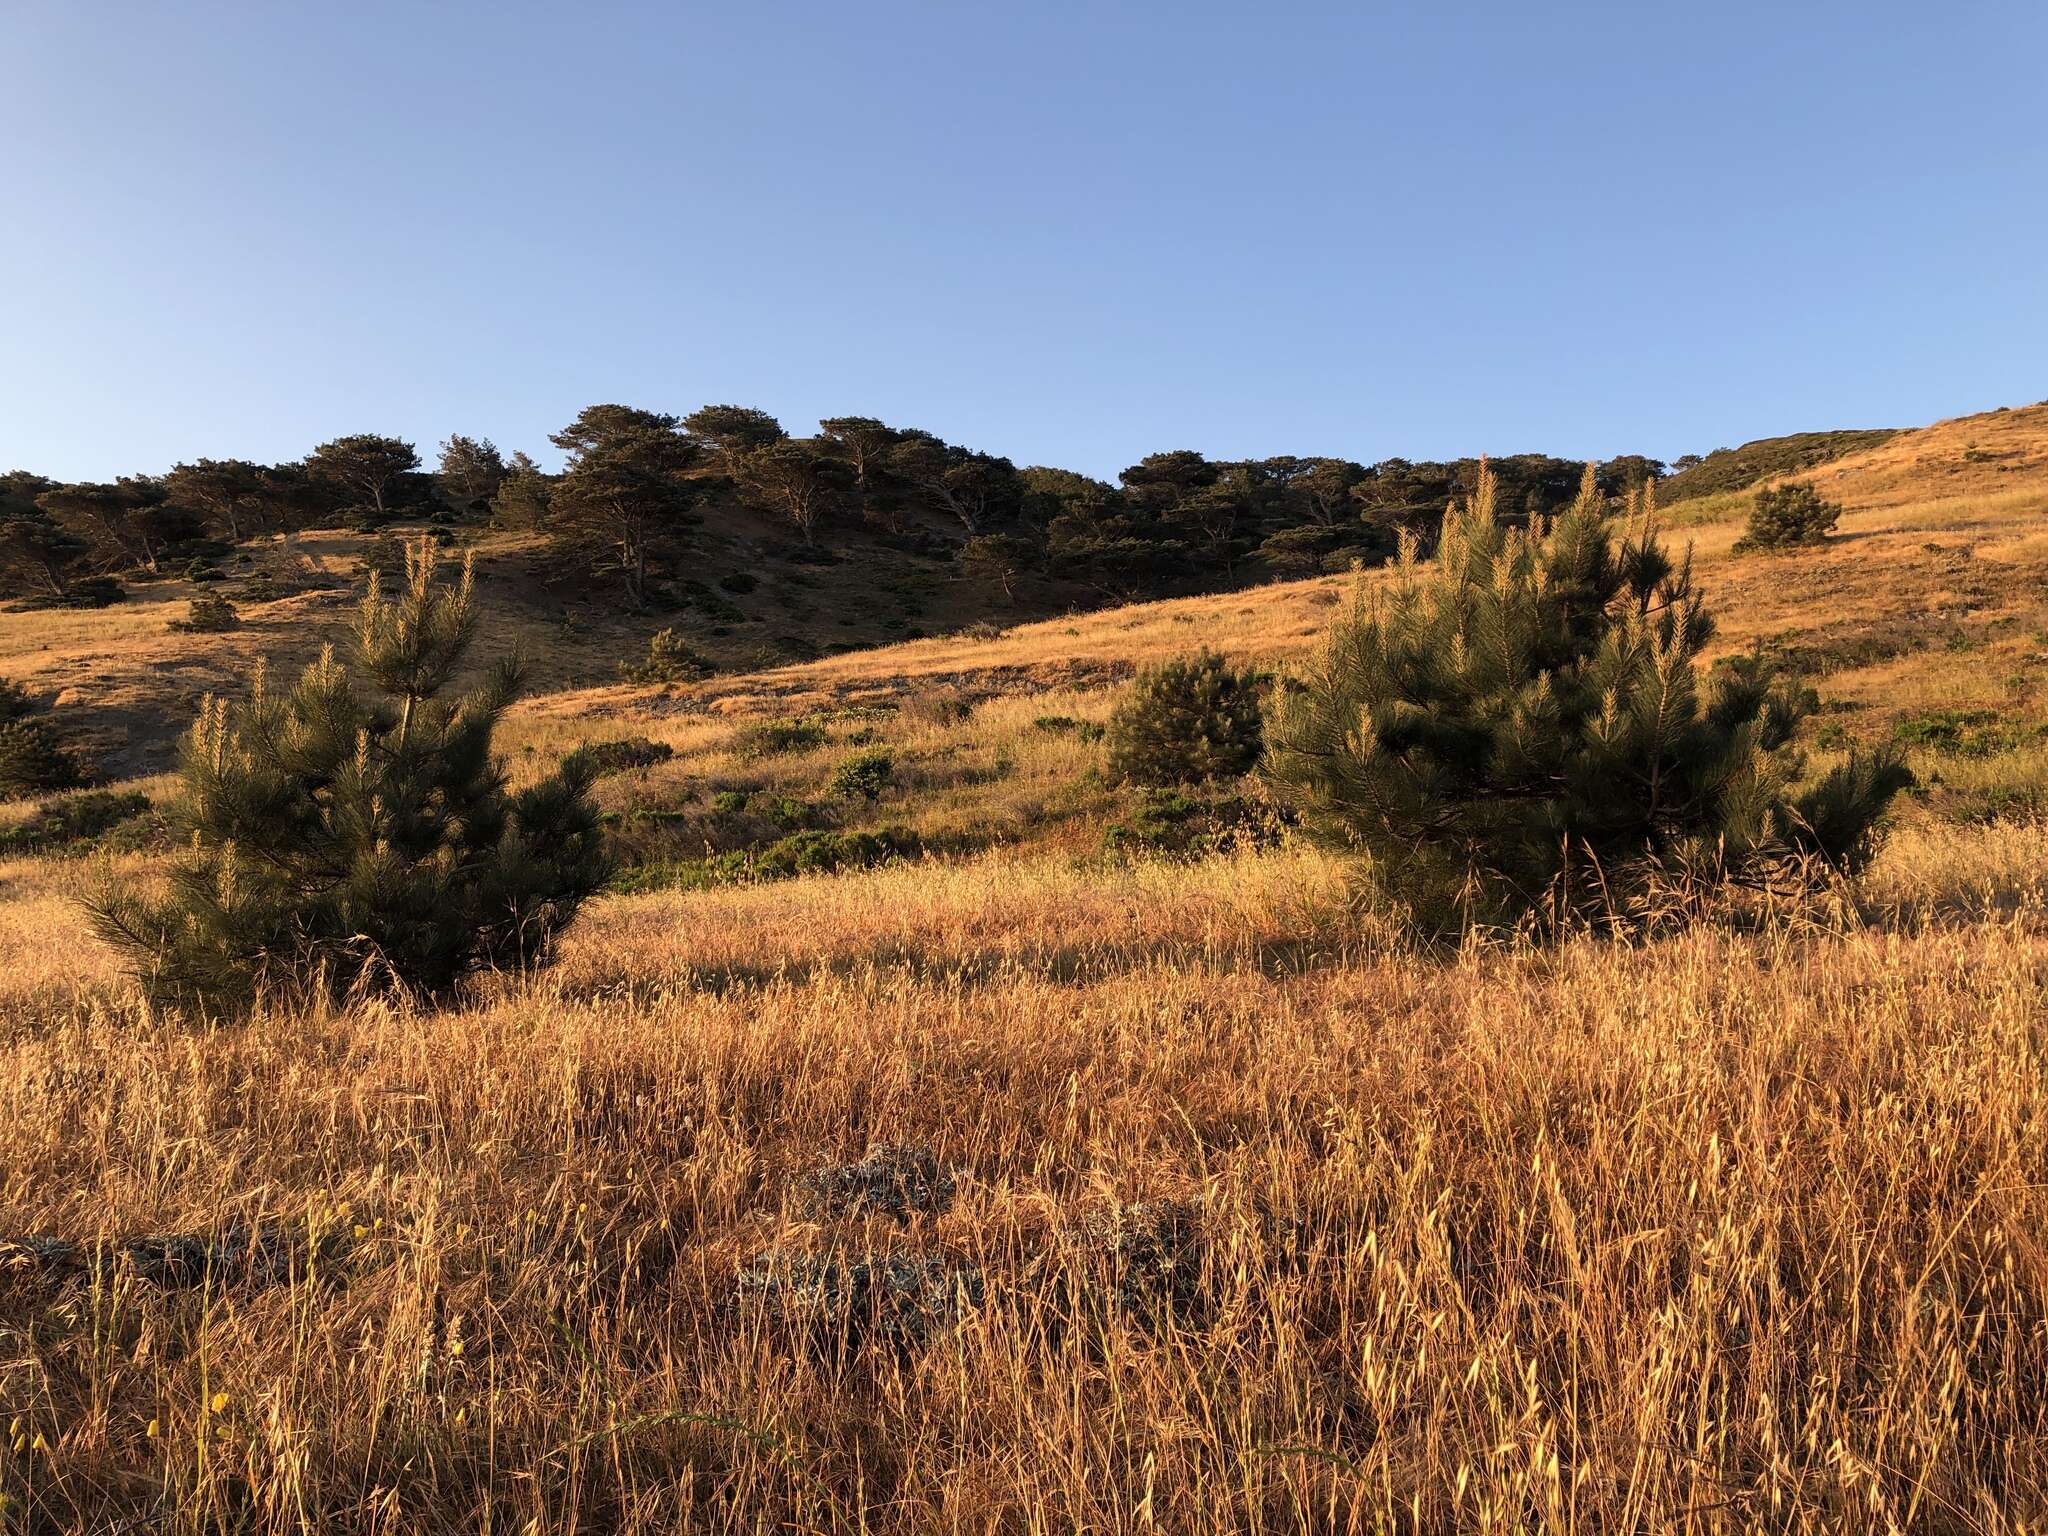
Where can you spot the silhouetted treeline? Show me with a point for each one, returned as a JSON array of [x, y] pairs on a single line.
[[636, 485]]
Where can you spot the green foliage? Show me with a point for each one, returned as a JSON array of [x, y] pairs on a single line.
[[778, 738], [820, 852], [1186, 721], [1737, 469], [1787, 517], [36, 758], [670, 659], [1171, 823], [863, 776], [730, 802], [208, 614], [351, 838], [16, 702], [1966, 732], [1523, 727], [66, 824], [602, 759]]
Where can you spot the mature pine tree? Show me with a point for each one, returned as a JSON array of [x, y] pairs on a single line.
[[345, 839], [1525, 724]]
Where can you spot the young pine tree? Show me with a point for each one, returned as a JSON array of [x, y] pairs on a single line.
[[1186, 721], [1789, 516], [1524, 726], [354, 833]]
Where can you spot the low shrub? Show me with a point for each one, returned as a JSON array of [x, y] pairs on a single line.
[[780, 738], [864, 776], [70, 824], [1171, 824], [820, 852], [1185, 722], [603, 759], [86, 592], [1966, 732]]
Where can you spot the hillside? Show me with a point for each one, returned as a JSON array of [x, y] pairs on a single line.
[[1938, 560], [1106, 1161]]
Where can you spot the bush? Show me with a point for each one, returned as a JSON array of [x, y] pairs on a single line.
[[669, 659], [1523, 725], [863, 776], [738, 582], [16, 702], [341, 842], [85, 592], [602, 759], [777, 738], [65, 823], [820, 853], [208, 614], [35, 758], [1787, 517], [1186, 722], [1167, 823]]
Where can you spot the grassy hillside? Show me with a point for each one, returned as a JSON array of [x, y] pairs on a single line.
[[1049, 1185]]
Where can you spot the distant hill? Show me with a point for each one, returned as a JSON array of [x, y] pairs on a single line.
[[1737, 469]]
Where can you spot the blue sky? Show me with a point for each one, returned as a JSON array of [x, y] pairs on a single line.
[[1074, 233]]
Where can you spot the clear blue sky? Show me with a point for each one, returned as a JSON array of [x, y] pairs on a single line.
[[1070, 232]]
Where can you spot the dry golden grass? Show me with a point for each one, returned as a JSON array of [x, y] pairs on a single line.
[[1726, 1232], [1717, 1234]]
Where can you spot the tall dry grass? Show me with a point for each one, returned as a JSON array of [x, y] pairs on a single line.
[[1722, 1233]]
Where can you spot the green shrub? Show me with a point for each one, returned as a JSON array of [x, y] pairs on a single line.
[[62, 825], [343, 842], [777, 738], [16, 702], [1966, 732], [602, 759], [1186, 722], [1522, 726], [35, 758], [1171, 823], [730, 802], [208, 614], [740, 583], [863, 776], [820, 852], [669, 659], [85, 592], [1788, 517]]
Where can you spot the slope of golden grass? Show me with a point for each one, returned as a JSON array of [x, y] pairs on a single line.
[[1258, 1227]]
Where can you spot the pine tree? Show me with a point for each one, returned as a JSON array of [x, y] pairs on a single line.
[[1186, 721], [1525, 725], [350, 839], [1788, 516]]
